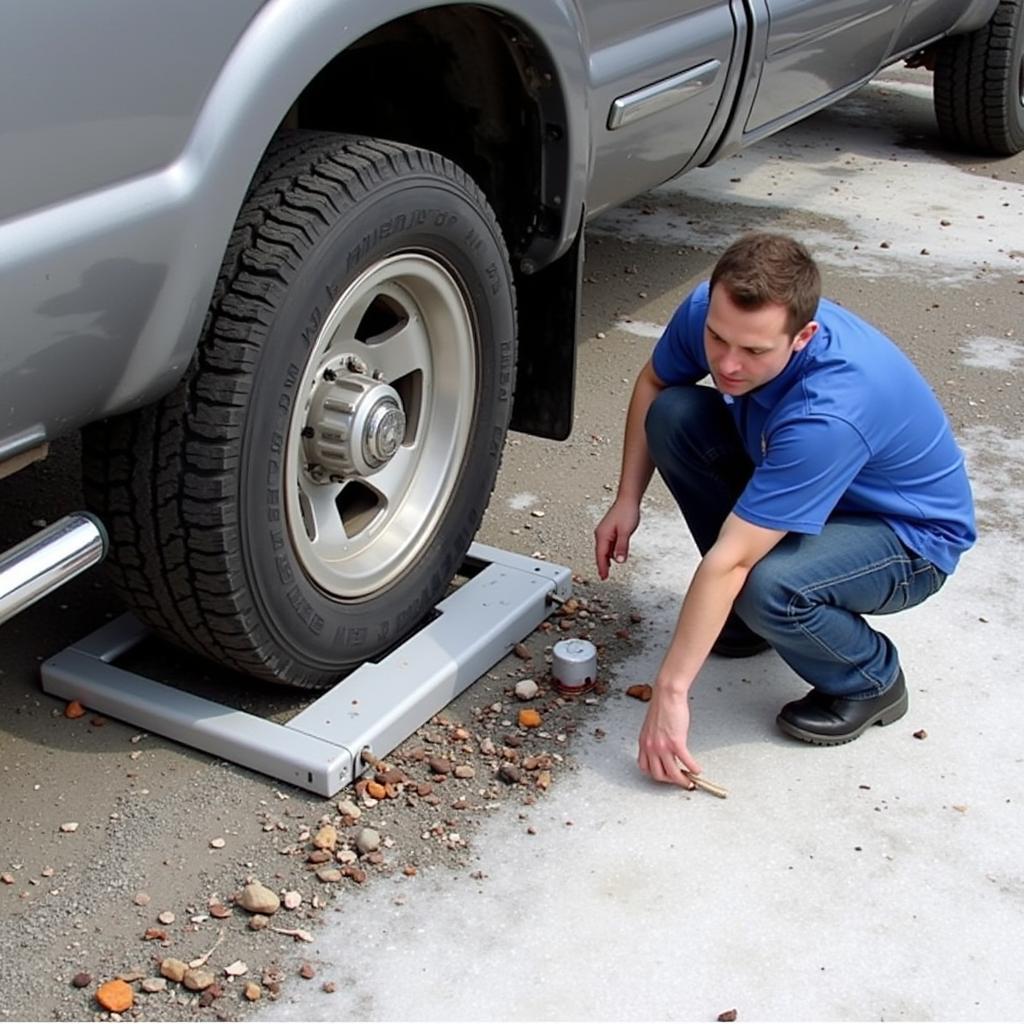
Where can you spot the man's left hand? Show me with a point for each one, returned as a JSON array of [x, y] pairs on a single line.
[[663, 739]]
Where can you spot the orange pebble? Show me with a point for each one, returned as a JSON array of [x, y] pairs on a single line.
[[529, 719], [74, 710], [376, 790], [641, 691], [115, 996]]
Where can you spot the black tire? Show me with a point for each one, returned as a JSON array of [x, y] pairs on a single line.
[[243, 515], [979, 85]]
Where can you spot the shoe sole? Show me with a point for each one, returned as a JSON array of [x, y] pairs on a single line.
[[893, 713]]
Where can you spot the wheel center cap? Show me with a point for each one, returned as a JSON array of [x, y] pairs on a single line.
[[384, 431], [354, 426]]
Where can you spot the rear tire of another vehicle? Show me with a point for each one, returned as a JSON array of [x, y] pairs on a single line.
[[979, 85], [304, 497]]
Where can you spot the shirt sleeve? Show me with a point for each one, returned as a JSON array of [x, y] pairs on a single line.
[[808, 465], [678, 357]]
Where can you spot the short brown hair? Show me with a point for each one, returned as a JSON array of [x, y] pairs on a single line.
[[763, 269]]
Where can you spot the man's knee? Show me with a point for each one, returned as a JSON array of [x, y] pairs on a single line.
[[676, 417], [766, 599]]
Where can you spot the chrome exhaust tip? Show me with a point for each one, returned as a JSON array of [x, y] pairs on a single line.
[[46, 560]]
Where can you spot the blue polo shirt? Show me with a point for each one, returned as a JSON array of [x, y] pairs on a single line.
[[849, 426]]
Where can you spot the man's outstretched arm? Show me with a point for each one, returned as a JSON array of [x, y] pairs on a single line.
[[611, 537], [715, 585]]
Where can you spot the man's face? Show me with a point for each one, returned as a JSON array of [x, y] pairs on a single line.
[[748, 348]]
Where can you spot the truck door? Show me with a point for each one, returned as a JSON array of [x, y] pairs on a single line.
[[657, 73], [818, 47]]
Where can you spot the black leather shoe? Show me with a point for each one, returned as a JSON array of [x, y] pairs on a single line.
[[738, 640], [829, 721]]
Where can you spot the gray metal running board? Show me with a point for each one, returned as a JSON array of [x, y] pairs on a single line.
[[374, 708]]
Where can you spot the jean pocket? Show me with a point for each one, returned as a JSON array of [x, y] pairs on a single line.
[[920, 579], [923, 580]]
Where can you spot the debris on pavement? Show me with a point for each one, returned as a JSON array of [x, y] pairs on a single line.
[[640, 691], [436, 786]]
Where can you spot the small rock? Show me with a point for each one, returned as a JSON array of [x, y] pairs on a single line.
[[141, 899], [74, 710], [635, 617], [921, 734], [439, 765], [487, 746], [464, 771], [7, 878], [727, 1015], [292, 899], [115, 996], [166, 917], [318, 857], [409, 871], [198, 979], [523, 652], [326, 838], [527, 689], [424, 789], [173, 969], [83, 979], [154, 984], [258, 922], [529, 718], [349, 809], [210, 993], [237, 969], [368, 840], [884, 245], [376, 791], [258, 899], [217, 844], [347, 856], [69, 826], [329, 875], [543, 779], [510, 773], [307, 971], [155, 934], [328, 986], [640, 691], [253, 992], [219, 911]]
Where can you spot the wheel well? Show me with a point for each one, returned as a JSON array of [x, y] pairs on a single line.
[[470, 84]]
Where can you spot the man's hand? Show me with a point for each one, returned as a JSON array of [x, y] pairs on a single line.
[[663, 739], [611, 537]]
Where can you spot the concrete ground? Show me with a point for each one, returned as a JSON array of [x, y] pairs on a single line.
[[877, 880]]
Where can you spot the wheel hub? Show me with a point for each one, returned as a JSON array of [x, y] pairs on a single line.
[[354, 426]]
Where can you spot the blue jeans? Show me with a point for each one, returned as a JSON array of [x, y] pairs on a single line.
[[808, 595]]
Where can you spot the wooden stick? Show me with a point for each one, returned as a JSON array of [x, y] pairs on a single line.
[[708, 787]]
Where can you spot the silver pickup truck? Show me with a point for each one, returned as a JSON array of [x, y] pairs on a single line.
[[295, 266]]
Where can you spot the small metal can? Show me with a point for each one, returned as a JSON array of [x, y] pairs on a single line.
[[574, 666]]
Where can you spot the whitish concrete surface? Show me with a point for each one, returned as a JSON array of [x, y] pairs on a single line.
[[878, 880]]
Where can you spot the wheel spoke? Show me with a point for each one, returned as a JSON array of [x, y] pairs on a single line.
[[323, 523], [402, 352], [393, 480]]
